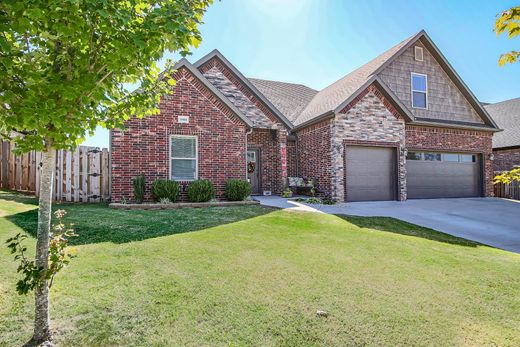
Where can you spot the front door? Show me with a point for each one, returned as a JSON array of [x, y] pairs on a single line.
[[253, 170]]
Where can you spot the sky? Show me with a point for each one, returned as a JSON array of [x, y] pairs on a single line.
[[316, 42]]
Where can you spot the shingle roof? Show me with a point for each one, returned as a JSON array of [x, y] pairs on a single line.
[[332, 96], [297, 106], [288, 98], [507, 116]]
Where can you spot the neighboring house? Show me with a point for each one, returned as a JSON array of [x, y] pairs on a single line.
[[402, 126], [506, 144]]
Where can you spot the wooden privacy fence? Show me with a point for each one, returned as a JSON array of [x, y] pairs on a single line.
[[82, 175], [509, 191]]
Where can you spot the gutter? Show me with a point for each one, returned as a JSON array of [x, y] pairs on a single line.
[[454, 126], [507, 148], [323, 116]]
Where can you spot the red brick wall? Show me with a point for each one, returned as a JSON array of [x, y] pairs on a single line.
[[444, 139], [314, 158], [267, 141], [143, 147], [506, 159], [292, 168]]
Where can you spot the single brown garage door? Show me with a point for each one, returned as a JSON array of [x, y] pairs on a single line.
[[370, 173], [442, 175]]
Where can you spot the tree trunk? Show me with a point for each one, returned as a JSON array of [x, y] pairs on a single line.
[[42, 331]]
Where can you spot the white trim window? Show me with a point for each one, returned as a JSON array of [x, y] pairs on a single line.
[[184, 158], [419, 90]]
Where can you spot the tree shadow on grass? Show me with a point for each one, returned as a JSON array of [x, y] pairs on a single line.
[[397, 226], [96, 223], [23, 198]]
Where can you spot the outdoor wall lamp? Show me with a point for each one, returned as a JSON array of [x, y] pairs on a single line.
[[491, 156]]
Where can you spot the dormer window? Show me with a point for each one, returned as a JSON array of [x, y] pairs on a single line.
[[418, 52], [419, 91]]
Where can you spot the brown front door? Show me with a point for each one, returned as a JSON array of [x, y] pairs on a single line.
[[253, 170]]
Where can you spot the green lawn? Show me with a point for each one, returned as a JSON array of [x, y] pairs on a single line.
[[242, 276]]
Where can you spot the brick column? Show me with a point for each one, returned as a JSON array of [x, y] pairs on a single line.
[[282, 158]]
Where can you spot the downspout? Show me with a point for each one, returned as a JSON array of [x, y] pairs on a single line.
[[249, 132]]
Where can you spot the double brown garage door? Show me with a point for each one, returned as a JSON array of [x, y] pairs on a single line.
[[371, 174], [442, 175]]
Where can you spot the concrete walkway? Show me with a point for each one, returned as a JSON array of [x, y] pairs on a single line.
[[495, 222]]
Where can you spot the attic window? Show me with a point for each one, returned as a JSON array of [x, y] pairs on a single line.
[[419, 55], [419, 90]]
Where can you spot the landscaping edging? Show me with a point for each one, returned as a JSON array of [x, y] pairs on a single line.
[[150, 206]]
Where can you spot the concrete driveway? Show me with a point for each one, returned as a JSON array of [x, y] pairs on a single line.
[[495, 222]]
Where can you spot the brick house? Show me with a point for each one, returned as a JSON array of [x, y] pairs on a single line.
[[404, 125], [506, 144]]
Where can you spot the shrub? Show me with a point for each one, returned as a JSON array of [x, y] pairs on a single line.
[[139, 183], [162, 189], [287, 193], [237, 190], [313, 200], [328, 201], [201, 191]]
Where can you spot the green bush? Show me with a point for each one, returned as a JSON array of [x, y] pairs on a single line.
[[237, 190], [287, 193], [313, 200], [139, 183], [165, 189], [201, 191]]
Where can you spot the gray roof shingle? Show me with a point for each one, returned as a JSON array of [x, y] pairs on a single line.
[[332, 96], [288, 98], [507, 116]]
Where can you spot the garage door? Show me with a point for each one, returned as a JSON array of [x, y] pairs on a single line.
[[442, 175], [370, 173]]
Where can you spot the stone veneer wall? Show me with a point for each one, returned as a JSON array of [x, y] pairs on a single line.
[[256, 104], [372, 121], [144, 146], [506, 159], [456, 140]]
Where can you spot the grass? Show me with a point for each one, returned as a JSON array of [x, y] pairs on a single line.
[[242, 276]]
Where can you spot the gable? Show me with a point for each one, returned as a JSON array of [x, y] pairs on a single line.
[[370, 117], [445, 100], [215, 76], [200, 92], [244, 95]]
